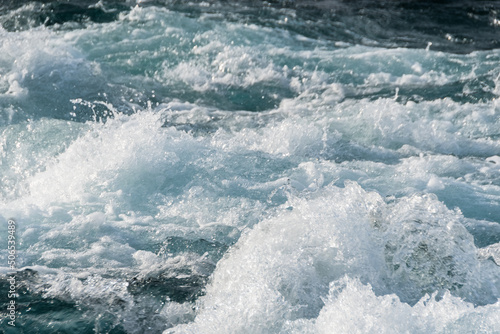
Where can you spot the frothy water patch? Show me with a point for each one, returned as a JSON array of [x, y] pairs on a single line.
[[186, 169], [345, 248], [146, 205]]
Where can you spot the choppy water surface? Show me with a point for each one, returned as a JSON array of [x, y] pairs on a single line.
[[251, 167]]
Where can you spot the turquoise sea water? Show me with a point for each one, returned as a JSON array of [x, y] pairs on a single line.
[[251, 167]]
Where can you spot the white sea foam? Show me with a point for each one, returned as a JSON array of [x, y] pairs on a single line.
[[360, 208], [342, 255], [279, 272]]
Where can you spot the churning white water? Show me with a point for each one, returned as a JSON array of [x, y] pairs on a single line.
[[193, 168]]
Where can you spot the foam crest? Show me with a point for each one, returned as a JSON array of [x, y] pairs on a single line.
[[26, 148], [440, 126], [292, 136], [353, 307], [280, 271], [104, 160], [378, 130]]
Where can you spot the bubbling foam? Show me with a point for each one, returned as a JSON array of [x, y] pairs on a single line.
[[395, 254]]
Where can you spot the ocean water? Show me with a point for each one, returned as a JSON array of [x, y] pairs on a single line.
[[250, 167]]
